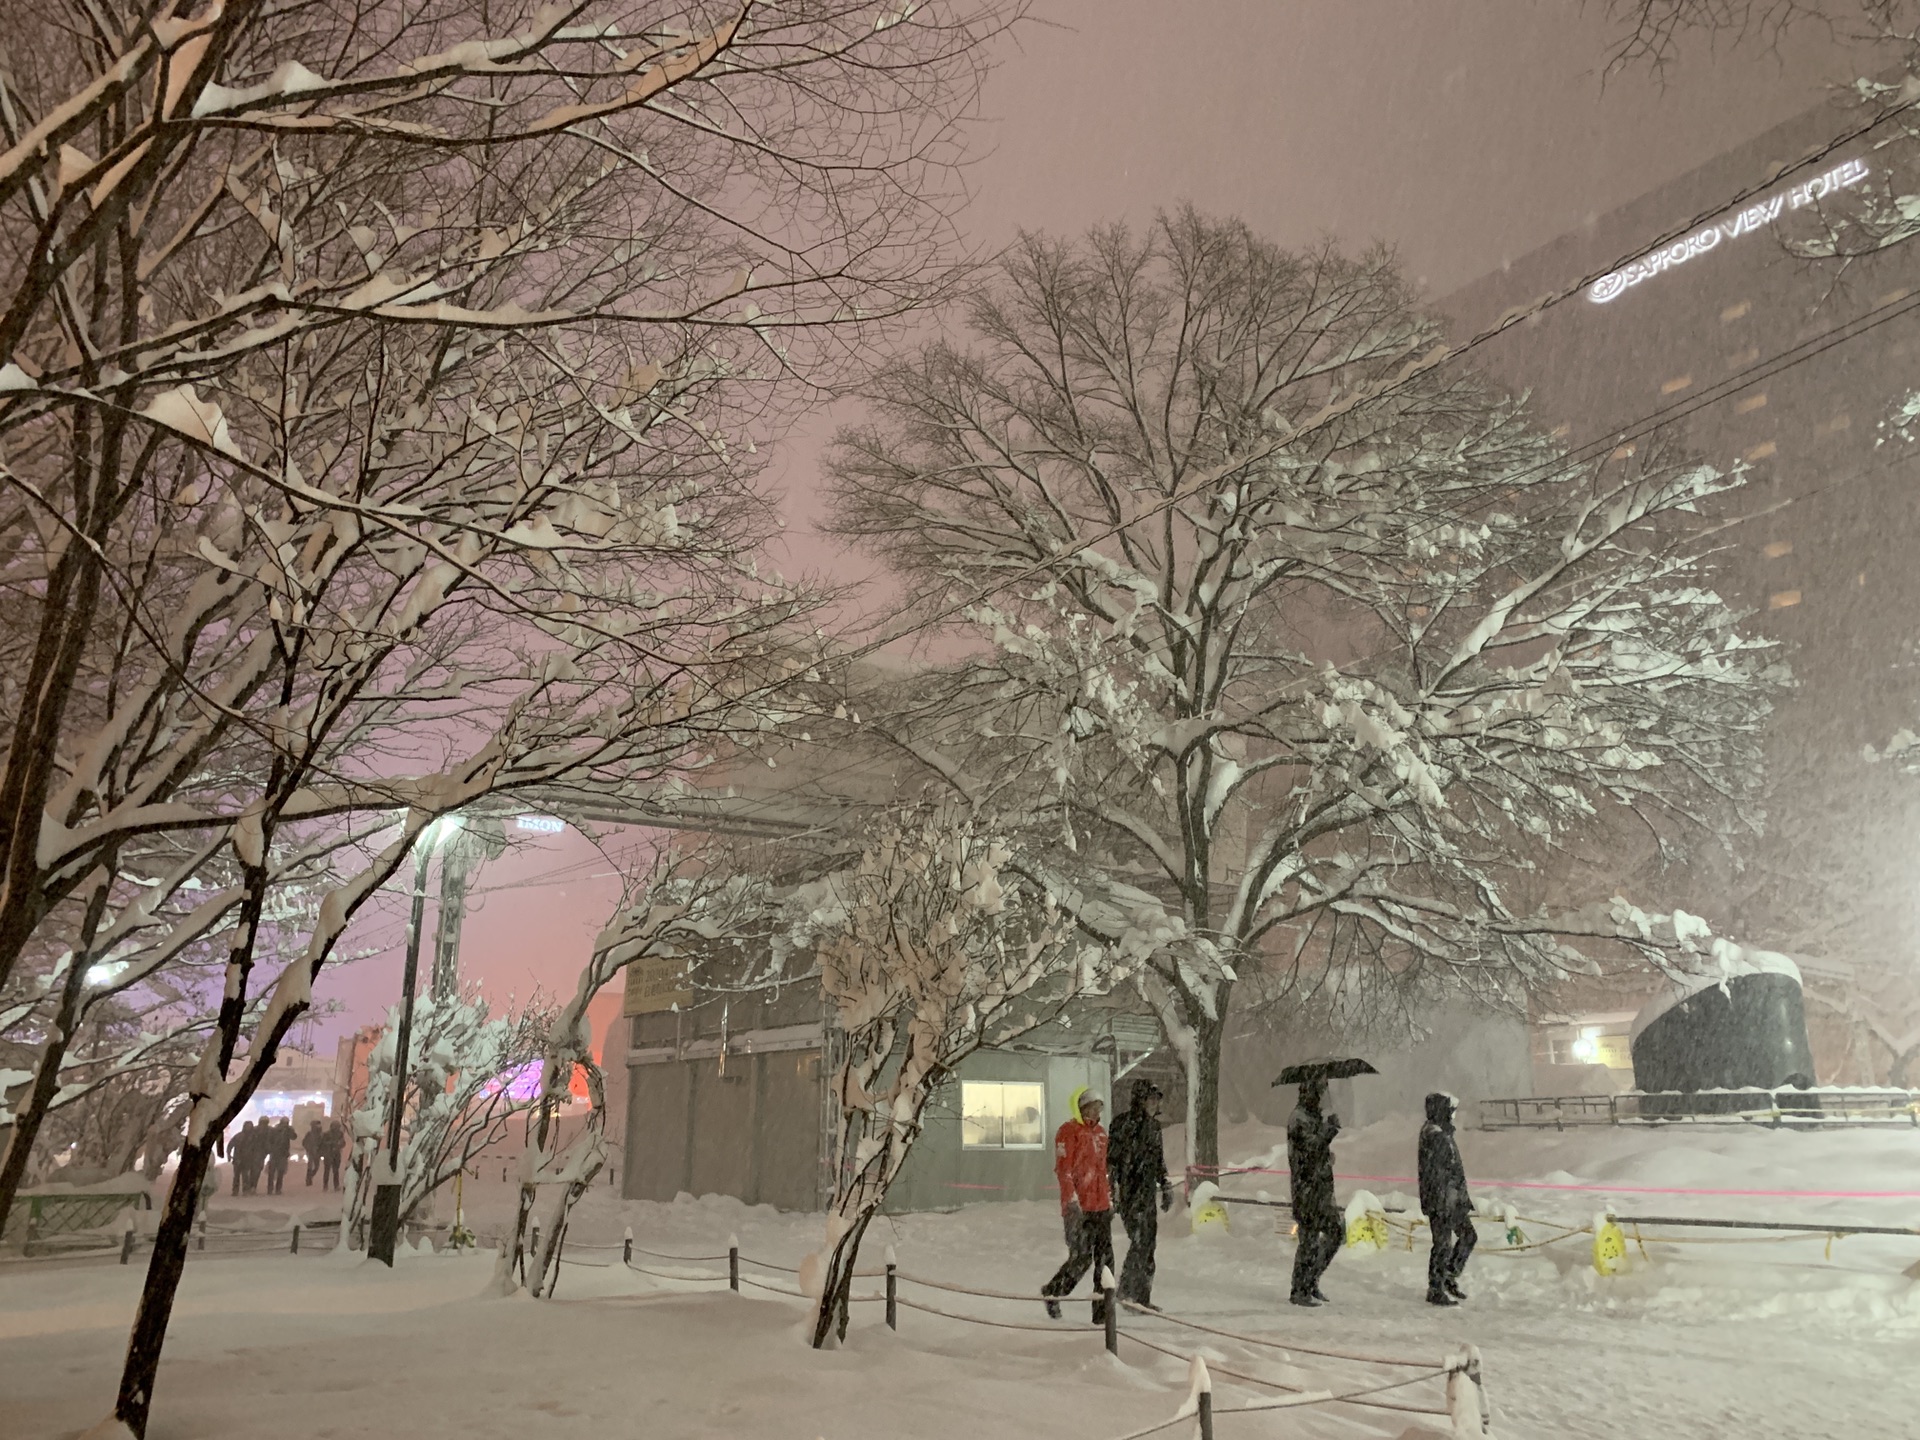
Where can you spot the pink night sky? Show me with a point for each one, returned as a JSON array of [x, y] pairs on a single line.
[[1481, 130]]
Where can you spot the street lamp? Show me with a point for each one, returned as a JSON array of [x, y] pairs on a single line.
[[384, 1227]]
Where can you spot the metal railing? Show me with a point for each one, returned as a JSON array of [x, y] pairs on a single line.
[[1785, 1108]]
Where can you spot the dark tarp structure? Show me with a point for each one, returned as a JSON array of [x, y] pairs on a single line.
[[1742, 1030]]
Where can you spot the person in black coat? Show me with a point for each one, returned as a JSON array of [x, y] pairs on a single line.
[[1137, 1173], [1318, 1228], [279, 1148], [1445, 1202]]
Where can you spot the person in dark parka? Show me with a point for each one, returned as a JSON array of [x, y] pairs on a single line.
[[1137, 1169], [279, 1147], [312, 1145], [1316, 1216], [1445, 1202]]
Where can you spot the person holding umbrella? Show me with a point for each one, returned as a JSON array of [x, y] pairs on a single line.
[[1310, 1133]]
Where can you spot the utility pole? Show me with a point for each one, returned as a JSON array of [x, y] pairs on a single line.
[[383, 1230], [485, 838], [461, 848]]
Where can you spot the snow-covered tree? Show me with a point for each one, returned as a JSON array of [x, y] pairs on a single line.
[[928, 947], [462, 1059], [677, 907], [377, 398], [1324, 649]]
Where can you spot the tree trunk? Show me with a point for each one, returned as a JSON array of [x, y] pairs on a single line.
[[1204, 1105], [46, 1083], [837, 1284], [135, 1400], [46, 1078]]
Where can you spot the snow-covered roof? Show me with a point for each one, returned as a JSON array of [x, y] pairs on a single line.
[[1729, 962]]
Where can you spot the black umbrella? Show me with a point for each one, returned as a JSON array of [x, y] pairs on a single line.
[[1324, 1070]]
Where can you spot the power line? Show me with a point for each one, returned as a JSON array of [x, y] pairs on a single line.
[[1410, 371]]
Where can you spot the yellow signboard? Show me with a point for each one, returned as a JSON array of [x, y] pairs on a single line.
[[656, 983]]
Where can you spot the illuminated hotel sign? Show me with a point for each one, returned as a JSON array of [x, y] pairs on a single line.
[[1754, 217]]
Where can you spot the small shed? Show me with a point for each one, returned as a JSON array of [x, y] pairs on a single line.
[[726, 1095]]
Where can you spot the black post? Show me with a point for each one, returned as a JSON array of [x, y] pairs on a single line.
[[893, 1317], [1206, 1415], [126, 1246], [294, 1249], [1113, 1312], [626, 1248], [384, 1227], [733, 1267]]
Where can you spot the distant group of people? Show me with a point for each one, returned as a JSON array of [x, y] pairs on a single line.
[[265, 1150], [1126, 1170]]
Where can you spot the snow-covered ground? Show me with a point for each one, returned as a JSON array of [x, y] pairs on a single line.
[[1743, 1341]]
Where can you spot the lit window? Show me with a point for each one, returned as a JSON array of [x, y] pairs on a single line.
[[1751, 404], [1892, 297], [1783, 599], [1774, 549], [1561, 431], [1734, 312], [1622, 453], [1833, 426], [999, 1115], [1678, 383], [1745, 357], [1762, 451]]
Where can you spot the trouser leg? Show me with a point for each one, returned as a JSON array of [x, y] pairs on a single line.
[[1142, 1224], [1079, 1256], [1319, 1242], [1100, 1247], [1465, 1237], [1440, 1259]]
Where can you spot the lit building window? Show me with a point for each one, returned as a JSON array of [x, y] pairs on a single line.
[[1622, 453], [1892, 297], [1002, 1115], [1833, 426], [1762, 451], [1678, 383], [1783, 599], [1751, 404], [1745, 357], [1734, 312], [1774, 549]]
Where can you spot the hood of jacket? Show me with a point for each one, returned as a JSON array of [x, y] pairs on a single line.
[[1440, 1108]]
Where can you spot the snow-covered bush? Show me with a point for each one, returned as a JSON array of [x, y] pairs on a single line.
[[461, 1059]]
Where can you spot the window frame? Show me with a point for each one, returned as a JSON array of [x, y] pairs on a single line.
[[1002, 1086]]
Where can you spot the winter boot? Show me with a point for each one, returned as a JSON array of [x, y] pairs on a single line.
[[1308, 1298], [1320, 1295], [1453, 1289], [1053, 1309], [1440, 1297]]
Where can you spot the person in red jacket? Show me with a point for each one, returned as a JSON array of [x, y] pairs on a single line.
[[1086, 1205]]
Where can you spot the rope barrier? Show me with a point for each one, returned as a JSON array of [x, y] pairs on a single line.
[[982, 1294], [1058, 1328], [684, 1259], [1271, 1384], [1276, 1344], [668, 1275], [1350, 1397]]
